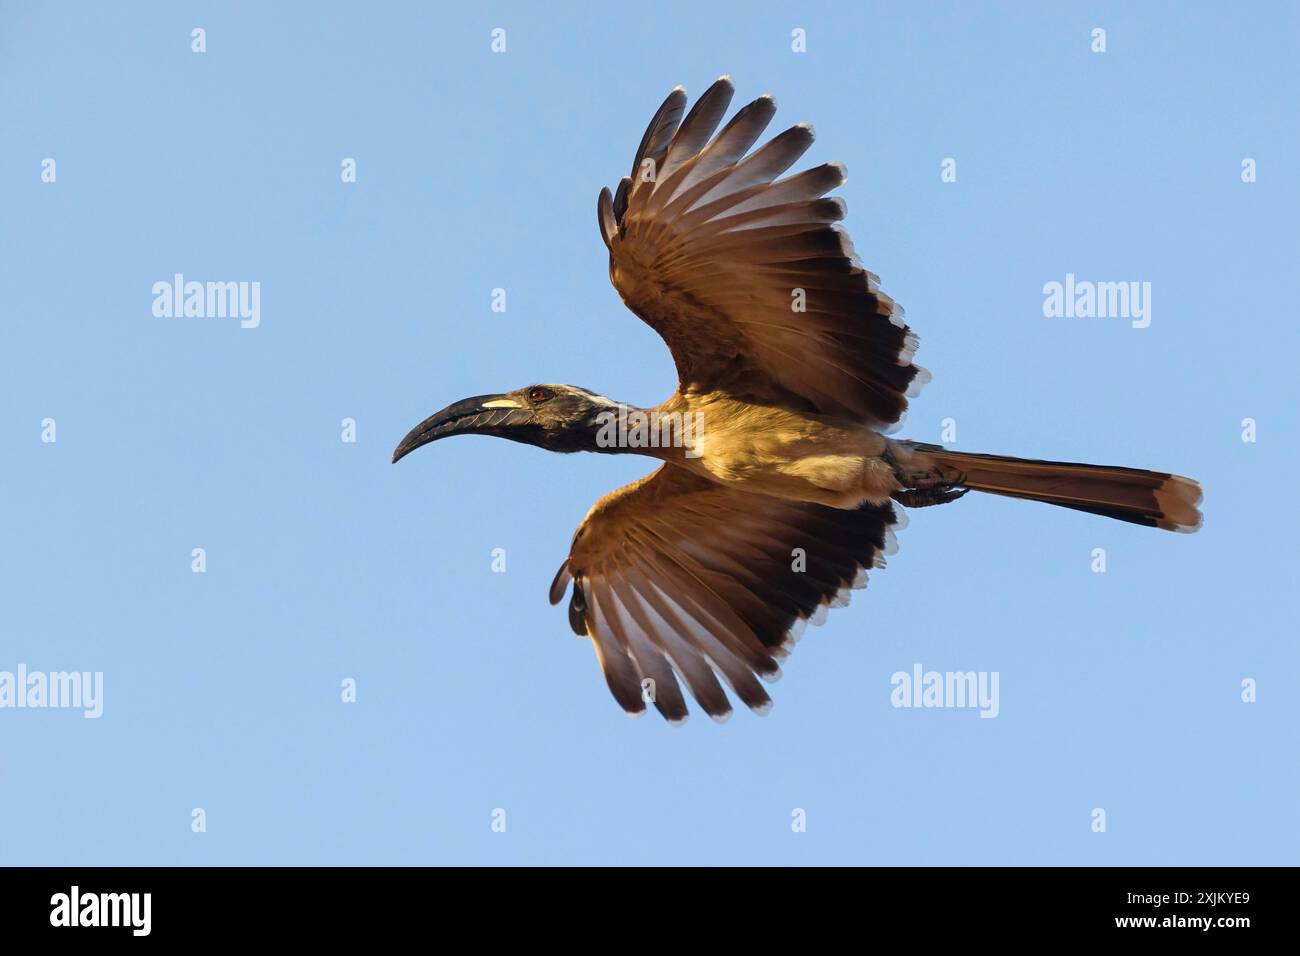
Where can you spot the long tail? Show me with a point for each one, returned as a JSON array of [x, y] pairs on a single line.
[[1151, 498]]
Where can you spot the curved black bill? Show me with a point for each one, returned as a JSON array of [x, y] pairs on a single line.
[[480, 415]]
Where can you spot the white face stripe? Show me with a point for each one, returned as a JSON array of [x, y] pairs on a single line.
[[502, 403]]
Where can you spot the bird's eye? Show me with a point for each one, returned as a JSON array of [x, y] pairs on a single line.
[[539, 394]]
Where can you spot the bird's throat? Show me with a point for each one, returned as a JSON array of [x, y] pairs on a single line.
[[628, 430]]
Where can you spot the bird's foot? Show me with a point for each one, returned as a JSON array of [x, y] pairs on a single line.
[[921, 489], [925, 497]]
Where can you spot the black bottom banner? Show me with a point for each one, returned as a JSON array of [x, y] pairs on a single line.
[[335, 905]]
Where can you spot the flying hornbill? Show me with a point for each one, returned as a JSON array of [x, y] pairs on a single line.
[[796, 365]]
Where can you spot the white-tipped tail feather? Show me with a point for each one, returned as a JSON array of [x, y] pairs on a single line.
[[1152, 498]]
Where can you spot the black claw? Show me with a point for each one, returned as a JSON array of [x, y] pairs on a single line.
[[926, 497]]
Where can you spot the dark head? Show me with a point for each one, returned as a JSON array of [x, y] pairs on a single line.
[[555, 417]]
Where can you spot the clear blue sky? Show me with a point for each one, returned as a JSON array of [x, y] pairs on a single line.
[[476, 171]]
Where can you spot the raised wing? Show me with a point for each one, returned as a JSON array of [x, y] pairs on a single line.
[[749, 279], [676, 576]]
